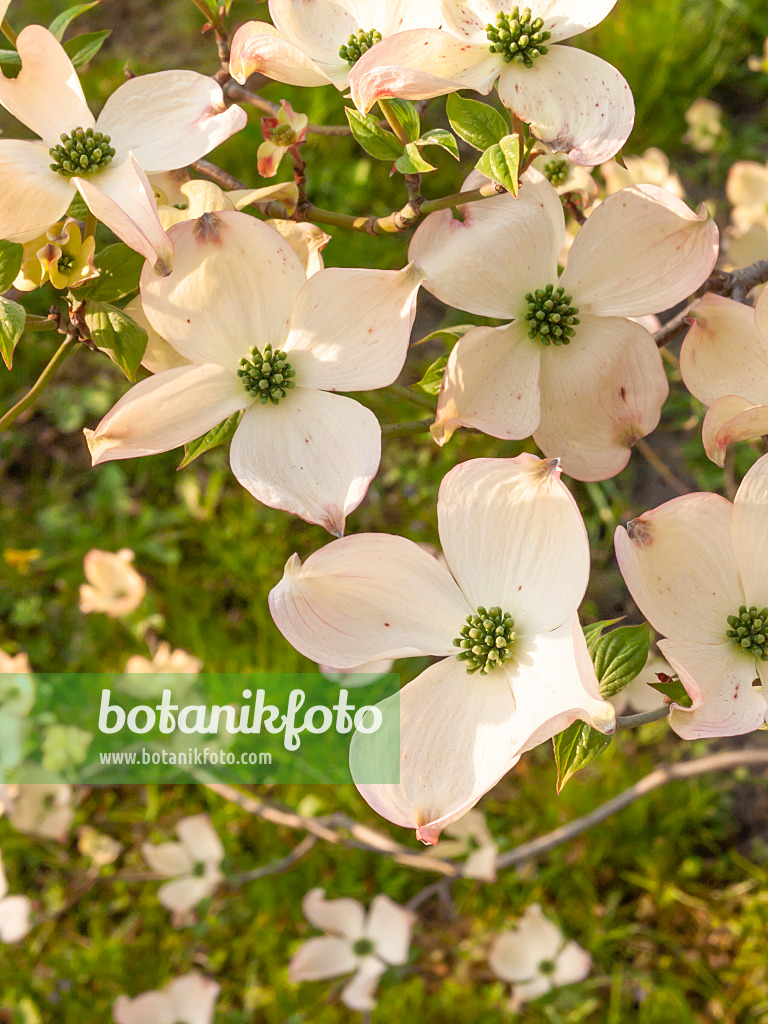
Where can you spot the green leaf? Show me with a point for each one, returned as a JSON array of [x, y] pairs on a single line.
[[575, 748], [12, 320], [407, 116], [62, 21], [593, 632], [440, 137], [9, 59], [477, 123], [117, 335], [11, 255], [218, 435], [619, 656], [120, 269], [673, 690], [501, 162], [412, 162], [450, 335], [83, 48], [432, 380], [374, 140]]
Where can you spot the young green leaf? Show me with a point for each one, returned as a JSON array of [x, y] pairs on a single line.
[[432, 380], [440, 137], [619, 656], [575, 748], [12, 320], [477, 123], [501, 163], [412, 162], [81, 49], [376, 142], [117, 335], [450, 335], [9, 59], [407, 116], [11, 255], [595, 630], [62, 21], [120, 270], [671, 688], [217, 435]]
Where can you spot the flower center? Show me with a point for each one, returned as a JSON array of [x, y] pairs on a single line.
[[551, 316], [362, 947], [268, 376], [66, 261], [556, 171], [486, 640], [518, 37], [282, 135], [749, 631], [547, 967], [83, 151], [359, 43]]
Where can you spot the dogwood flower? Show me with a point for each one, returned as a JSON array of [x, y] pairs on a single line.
[[318, 42], [565, 176], [280, 133], [470, 837], [353, 941], [61, 256], [164, 660], [151, 123], [40, 809], [573, 101], [724, 363], [199, 197], [760, 63], [265, 339], [535, 957], [747, 191], [705, 125], [14, 912], [652, 168], [17, 698], [114, 587], [571, 368], [517, 564], [190, 999], [697, 567], [193, 864]]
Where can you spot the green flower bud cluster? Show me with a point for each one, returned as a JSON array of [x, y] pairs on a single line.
[[551, 316], [66, 262], [556, 171], [358, 44], [282, 135], [486, 640], [518, 36], [268, 376], [83, 151], [749, 631]]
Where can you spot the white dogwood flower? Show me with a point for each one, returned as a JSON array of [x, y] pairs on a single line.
[[535, 957], [353, 941], [14, 912], [697, 567], [264, 338], [574, 102], [152, 123], [190, 999], [318, 41], [516, 567], [114, 587], [193, 864], [571, 369]]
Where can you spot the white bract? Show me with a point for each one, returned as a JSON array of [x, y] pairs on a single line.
[[697, 568], [114, 587], [536, 958], [316, 42], [516, 552], [151, 123], [190, 999], [571, 369], [14, 912], [238, 304], [41, 809], [353, 941], [574, 101], [193, 864]]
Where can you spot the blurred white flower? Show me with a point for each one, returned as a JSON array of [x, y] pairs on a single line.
[[760, 63], [652, 168], [536, 958], [747, 191], [146, 678], [41, 809], [17, 696], [705, 125], [14, 912], [193, 864], [64, 746], [566, 176], [190, 999], [470, 837], [114, 587], [101, 848], [352, 942]]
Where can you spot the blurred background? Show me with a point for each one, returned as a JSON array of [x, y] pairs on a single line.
[[670, 897]]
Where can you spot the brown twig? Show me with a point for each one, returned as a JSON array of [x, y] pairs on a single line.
[[239, 94], [666, 474]]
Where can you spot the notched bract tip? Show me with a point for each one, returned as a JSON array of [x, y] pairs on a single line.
[[640, 532]]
